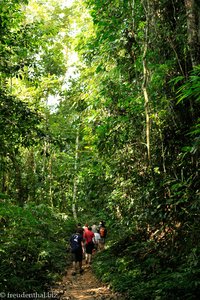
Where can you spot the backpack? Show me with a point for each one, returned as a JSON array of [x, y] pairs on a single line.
[[102, 232], [75, 243]]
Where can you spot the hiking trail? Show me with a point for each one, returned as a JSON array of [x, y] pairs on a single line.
[[83, 287]]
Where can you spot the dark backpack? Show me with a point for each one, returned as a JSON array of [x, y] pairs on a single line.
[[75, 243]]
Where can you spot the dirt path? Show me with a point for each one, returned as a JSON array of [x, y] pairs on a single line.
[[83, 287]]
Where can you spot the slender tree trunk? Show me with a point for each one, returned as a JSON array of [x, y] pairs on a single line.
[[163, 152], [75, 177], [50, 182], [193, 29], [146, 78], [4, 175], [31, 176], [43, 172], [21, 194]]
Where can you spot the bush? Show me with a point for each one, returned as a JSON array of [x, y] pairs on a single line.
[[143, 270], [34, 247]]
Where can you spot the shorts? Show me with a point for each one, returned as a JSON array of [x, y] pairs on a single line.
[[89, 247], [77, 255]]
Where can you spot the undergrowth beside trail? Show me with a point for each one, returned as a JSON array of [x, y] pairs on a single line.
[[33, 247], [143, 269]]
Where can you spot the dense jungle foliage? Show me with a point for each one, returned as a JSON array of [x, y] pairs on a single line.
[[120, 142]]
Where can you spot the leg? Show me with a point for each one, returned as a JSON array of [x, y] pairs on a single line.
[[86, 258], [89, 258], [80, 261], [77, 257], [74, 263], [80, 267], [80, 264], [74, 266]]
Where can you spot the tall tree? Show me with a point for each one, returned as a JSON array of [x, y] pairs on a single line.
[[193, 28]]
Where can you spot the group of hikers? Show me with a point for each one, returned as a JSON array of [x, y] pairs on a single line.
[[84, 242]]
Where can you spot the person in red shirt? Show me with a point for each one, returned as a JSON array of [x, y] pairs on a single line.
[[89, 245], [85, 227]]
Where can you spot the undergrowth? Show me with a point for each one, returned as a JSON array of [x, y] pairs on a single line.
[[144, 269], [33, 247]]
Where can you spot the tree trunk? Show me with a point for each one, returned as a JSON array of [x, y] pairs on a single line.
[[21, 192], [31, 175], [75, 178], [193, 29], [145, 79], [50, 182]]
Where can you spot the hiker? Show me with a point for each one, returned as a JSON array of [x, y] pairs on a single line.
[[94, 228], [89, 244], [80, 228], [77, 249], [96, 240], [96, 237], [85, 227], [103, 233]]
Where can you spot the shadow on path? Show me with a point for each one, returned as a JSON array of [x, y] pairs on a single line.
[[83, 287]]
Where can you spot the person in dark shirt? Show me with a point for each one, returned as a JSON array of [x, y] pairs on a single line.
[[80, 228], [77, 248]]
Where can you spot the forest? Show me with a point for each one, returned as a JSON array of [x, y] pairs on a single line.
[[100, 120]]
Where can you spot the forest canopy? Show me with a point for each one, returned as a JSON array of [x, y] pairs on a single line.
[[120, 143]]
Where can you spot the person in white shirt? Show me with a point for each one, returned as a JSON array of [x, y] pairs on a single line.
[[96, 238]]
